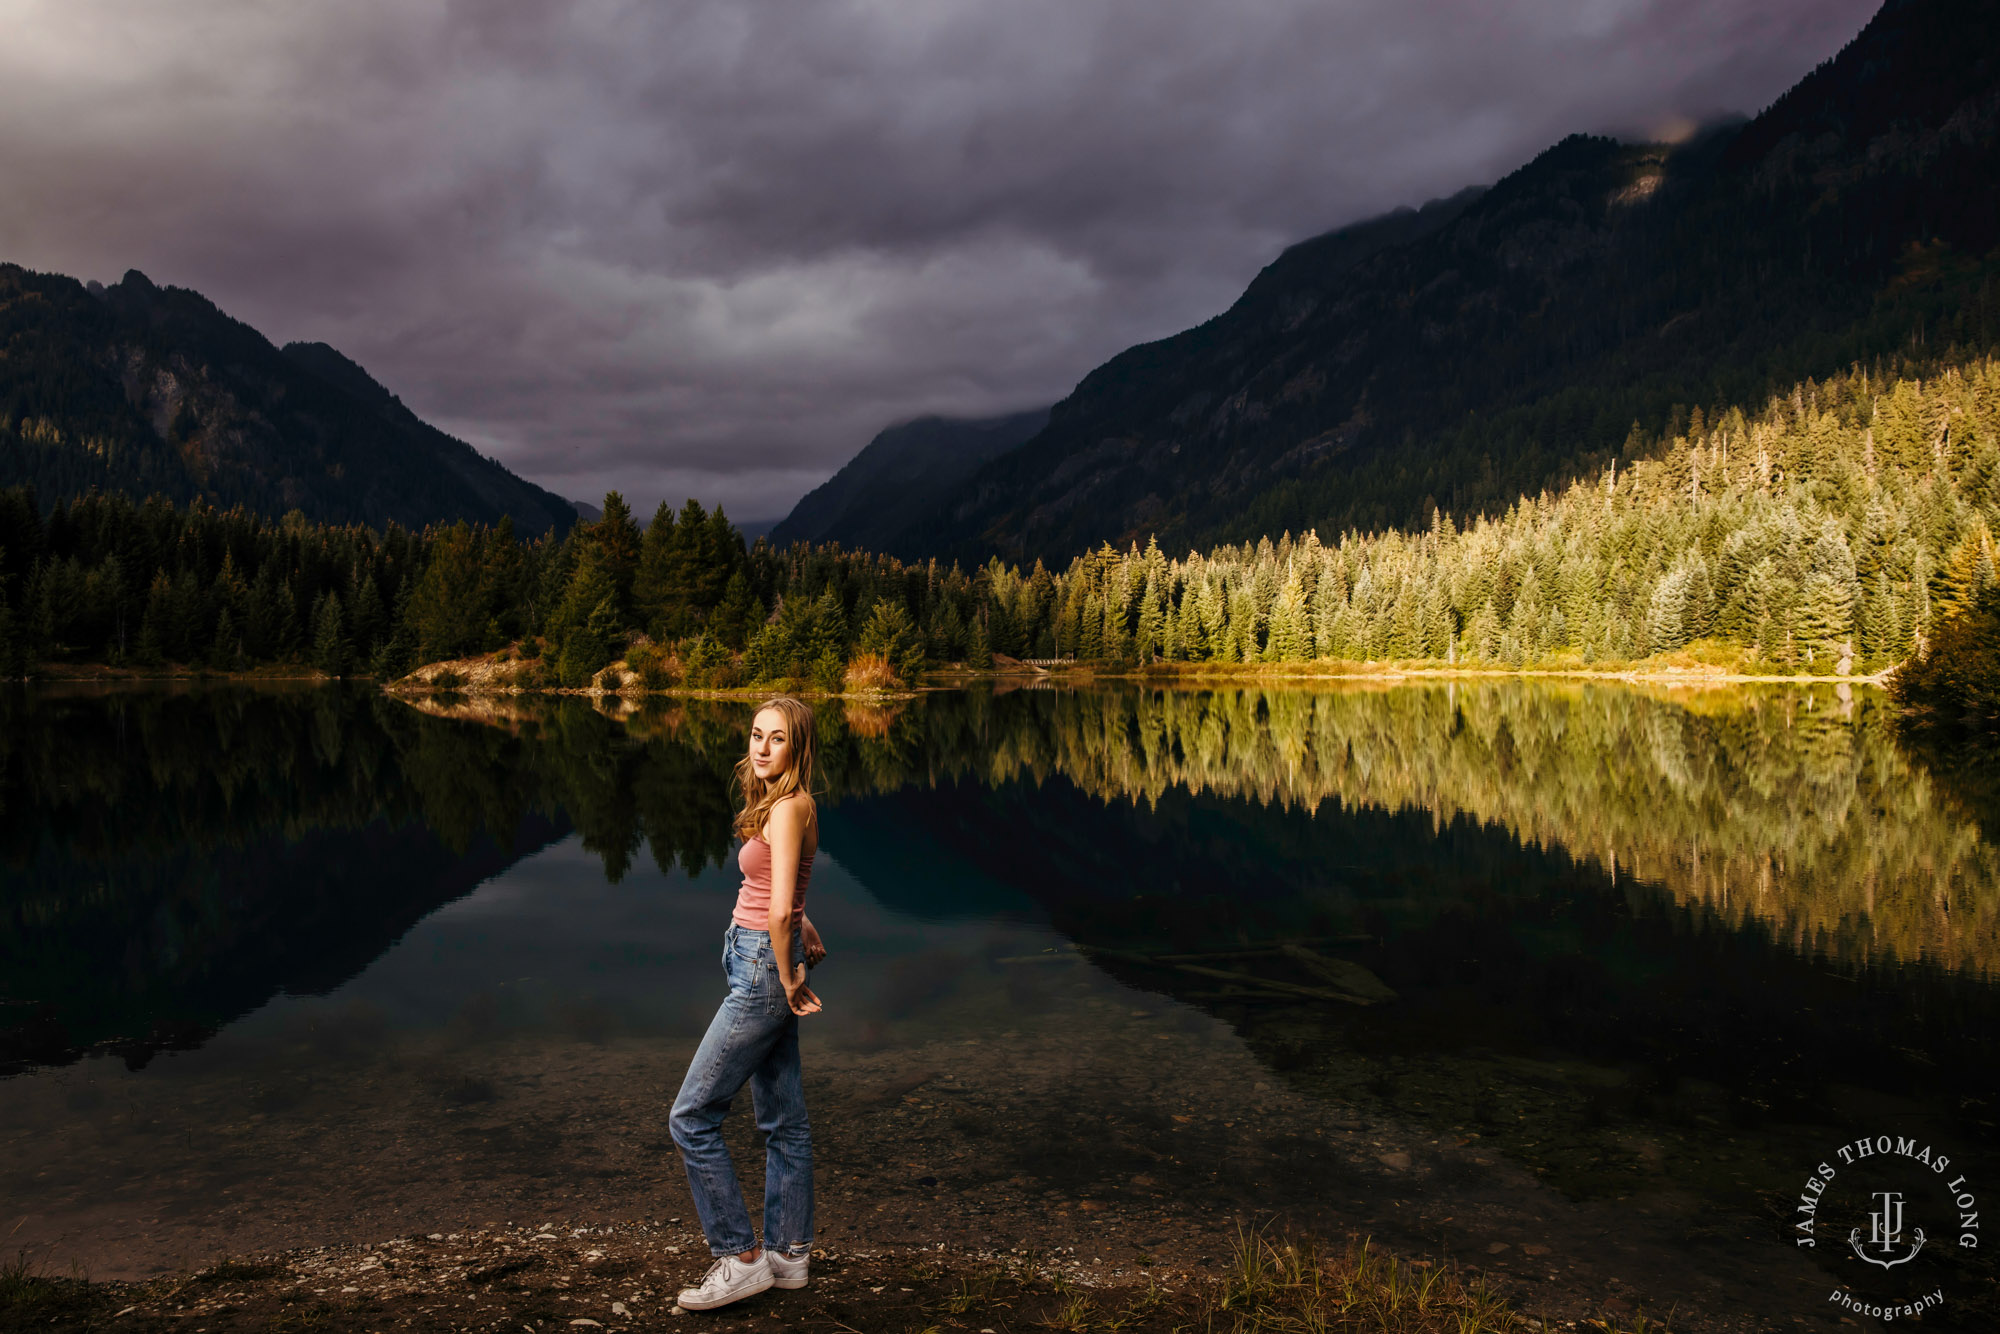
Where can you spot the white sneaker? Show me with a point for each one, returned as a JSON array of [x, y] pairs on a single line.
[[788, 1271], [729, 1279]]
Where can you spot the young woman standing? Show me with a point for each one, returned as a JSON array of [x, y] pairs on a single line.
[[754, 1037]]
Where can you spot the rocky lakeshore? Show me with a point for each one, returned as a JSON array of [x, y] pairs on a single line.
[[551, 1277], [1117, 1168]]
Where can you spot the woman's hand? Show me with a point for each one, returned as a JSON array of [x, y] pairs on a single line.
[[815, 947], [797, 994]]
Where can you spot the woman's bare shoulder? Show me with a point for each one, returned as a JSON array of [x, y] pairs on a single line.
[[794, 809], [797, 817]]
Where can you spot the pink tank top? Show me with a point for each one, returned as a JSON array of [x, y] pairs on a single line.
[[753, 901]]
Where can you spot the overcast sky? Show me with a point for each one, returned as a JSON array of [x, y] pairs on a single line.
[[679, 247]]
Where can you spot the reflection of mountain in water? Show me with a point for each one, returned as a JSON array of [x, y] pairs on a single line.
[[911, 867], [150, 954], [1392, 934], [174, 861]]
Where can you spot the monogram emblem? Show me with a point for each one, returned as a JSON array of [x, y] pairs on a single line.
[[1885, 1233]]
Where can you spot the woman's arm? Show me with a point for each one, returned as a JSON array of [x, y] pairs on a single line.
[[785, 831]]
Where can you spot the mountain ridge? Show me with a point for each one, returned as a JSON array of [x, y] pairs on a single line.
[[871, 501], [1517, 343], [148, 390]]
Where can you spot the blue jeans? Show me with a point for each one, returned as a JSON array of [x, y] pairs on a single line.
[[754, 1039]]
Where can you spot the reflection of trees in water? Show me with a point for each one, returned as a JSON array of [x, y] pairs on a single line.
[[169, 861], [1792, 808], [152, 839]]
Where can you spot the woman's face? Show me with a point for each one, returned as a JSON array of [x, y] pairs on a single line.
[[770, 744]]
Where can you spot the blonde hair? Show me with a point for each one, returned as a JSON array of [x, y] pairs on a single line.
[[759, 796]]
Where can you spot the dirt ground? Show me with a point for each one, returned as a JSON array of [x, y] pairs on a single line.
[[544, 1279], [529, 1183]]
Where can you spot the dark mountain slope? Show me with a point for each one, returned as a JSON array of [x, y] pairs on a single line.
[[144, 389], [902, 474], [1501, 342]]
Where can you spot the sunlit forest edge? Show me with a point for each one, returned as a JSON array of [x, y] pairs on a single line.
[[1832, 531]]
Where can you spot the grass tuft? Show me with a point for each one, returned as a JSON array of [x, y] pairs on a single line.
[[1292, 1287], [870, 672], [33, 1300]]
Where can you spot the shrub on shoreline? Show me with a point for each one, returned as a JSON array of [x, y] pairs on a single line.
[[1953, 686]]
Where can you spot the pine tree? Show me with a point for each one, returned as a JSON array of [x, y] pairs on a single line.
[[607, 560], [1965, 573], [825, 630], [978, 648], [1406, 625], [1825, 618], [1117, 629], [265, 615], [1435, 625], [1090, 637], [1328, 602], [1239, 623], [448, 609], [226, 654], [1698, 608], [653, 581], [1152, 637], [1213, 614], [1001, 627], [186, 626], [396, 655], [152, 649], [887, 633], [13, 655], [829, 672], [1290, 639], [1263, 590], [1482, 633], [1069, 623], [739, 613], [1666, 617], [590, 645], [680, 579], [1192, 634], [331, 652]]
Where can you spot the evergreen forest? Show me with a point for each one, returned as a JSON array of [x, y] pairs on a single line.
[[1832, 530]]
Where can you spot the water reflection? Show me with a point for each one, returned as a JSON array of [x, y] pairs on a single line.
[[172, 860], [169, 862], [1635, 942], [1794, 809]]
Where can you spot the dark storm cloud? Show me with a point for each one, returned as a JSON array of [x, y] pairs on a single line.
[[694, 247]]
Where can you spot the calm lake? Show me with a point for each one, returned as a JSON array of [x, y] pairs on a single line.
[[1572, 983]]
